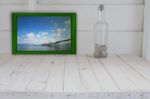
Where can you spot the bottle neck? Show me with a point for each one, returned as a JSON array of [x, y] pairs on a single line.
[[101, 16]]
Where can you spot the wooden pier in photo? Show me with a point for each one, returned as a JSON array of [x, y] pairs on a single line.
[[57, 43]]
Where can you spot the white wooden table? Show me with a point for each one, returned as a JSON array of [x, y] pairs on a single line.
[[73, 77]]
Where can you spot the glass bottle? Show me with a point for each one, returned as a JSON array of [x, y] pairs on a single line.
[[101, 34]]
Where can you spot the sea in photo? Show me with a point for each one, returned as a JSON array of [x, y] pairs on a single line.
[[43, 33]]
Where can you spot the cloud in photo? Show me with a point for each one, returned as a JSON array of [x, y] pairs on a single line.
[[43, 37], [35, 38], [39, 30]]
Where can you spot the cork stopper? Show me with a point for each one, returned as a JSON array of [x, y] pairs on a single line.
[[101, 7]]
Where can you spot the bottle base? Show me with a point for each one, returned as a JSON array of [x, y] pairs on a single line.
[[100, 55], [100, 51]]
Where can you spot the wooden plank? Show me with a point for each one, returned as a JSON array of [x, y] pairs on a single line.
[[125, 42], [5, 42], [6, 70], [104, 79], [146, 35], [39, 78], [6, 11], [118, 42], [32, 5], [129, 79], [11, 64], [5, 55], [21, 79], [72, 81], [145, 95], [130, 95], [55, 81], [128, 42], [13, 70], [91, 1], [4, 58], [13, 2], [113, 66], [46, 95], [130, 15], [74, 2], [88, 79], [138, 64]]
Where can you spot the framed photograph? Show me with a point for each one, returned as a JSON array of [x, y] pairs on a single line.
[[44, 33]]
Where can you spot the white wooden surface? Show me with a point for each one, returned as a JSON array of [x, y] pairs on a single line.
[[38, 95], [138, 65], [146, 36], [74, 77], [91, 1], [41, 75], [125, 19], [55, 79], [75, 2]]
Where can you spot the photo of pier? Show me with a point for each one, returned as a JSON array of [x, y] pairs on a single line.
[[44, 33]]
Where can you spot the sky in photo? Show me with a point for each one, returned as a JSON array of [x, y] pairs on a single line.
[[35, 30]]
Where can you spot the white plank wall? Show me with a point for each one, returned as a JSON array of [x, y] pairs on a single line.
[[9, 2], [130, 43], [125, 19], [120, 17], [74, 1], [91, 1], [32, 5], [146, 36]]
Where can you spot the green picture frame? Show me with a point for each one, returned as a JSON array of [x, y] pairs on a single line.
[[15, 29]]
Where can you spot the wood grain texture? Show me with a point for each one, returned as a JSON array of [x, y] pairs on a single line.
[[137, 64], [105, 80], [91, 1], [118, 42], [9, 2], [74, 2], [4, 58], [39, 95], [55, 81], [125, 76], [74, 77], [21, 77], [8, 69], [119, 18], [146, 35], [39, 78], [87, 76], [6, 11], [70, 73]]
